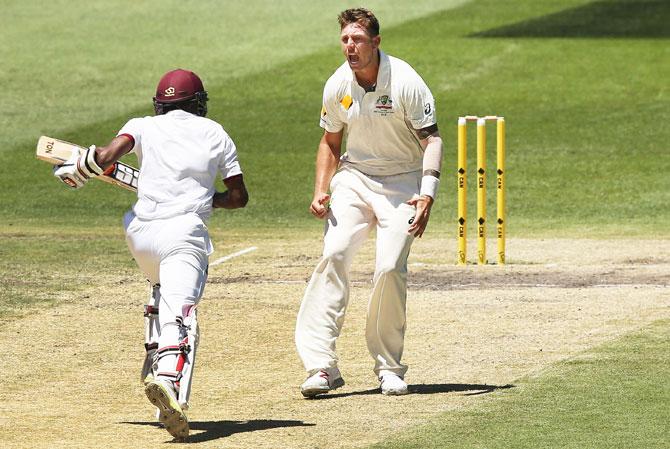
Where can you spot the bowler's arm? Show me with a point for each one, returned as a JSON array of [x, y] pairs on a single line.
[[327, 160], [431, 142]]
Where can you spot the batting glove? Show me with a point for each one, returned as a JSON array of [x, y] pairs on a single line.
[[77, 170]]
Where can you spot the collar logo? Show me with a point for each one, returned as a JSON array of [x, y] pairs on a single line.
[[169, 92]]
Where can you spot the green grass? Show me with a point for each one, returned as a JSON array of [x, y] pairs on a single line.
[[41, 267], [71, 63], [615, 396], [587, 149]]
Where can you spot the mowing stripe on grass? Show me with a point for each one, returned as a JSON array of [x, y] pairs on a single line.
[[80, 64]]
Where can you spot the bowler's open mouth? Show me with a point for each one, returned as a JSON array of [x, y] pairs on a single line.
[[353, 59]]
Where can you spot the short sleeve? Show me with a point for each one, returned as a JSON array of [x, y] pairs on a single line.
[[133, 128], [419, 104], [229, 166], [330, 120]]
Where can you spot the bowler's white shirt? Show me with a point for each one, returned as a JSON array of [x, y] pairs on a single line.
[[180, 155], [379, 126]]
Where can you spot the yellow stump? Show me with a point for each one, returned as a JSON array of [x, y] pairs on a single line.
[[462, 190], [500, 165], [481, 191]]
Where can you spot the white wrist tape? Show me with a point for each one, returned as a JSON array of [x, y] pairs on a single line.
[[87, 165], [432, 155], [432, 162], [429, 186]]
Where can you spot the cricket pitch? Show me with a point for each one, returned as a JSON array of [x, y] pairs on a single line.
[[74, 375]]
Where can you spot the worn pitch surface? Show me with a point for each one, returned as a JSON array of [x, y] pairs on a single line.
[[74, 371]]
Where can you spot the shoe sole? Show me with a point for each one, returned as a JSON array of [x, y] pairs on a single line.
[[171, 414], [312, 392]]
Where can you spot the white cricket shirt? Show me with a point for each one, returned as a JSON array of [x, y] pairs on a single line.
[[379, 126], [180, 155]]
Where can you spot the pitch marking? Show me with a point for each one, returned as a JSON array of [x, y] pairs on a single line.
[[231, 256]]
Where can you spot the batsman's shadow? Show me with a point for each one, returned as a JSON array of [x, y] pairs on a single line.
[[468, 389], [213, 430]]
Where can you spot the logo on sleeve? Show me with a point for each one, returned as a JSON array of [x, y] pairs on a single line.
[[427, 108], [384, 105], [346, 102], [323, 111]]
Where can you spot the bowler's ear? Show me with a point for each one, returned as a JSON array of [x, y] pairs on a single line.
[[376, 41]]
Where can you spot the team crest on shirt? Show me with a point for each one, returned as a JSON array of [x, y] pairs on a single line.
[[384, 105]]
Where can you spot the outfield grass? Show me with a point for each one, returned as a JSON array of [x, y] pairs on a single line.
[[587, 149], [39, 266], [615, 396]]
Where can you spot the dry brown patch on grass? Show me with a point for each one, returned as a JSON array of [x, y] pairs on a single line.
[[471, 330]]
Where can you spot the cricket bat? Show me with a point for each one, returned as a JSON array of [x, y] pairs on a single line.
[[55, 152]]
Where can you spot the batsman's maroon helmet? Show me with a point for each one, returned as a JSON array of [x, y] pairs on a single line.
[[180, 87]]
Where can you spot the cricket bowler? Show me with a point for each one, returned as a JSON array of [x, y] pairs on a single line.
[[180, 154], [387, 179]]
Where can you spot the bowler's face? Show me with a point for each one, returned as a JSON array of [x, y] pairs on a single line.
[[358, 47]]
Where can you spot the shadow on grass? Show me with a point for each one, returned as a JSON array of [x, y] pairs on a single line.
[[213, 430], [472, 389], [601, 19]]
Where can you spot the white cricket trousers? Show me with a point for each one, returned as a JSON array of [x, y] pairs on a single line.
[[358, 204], [174, 253]]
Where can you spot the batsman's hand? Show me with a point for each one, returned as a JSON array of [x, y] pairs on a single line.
[[68, 172], [418, 224], [320, 205]]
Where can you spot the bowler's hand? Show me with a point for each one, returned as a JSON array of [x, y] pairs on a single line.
[[319, 207], [423, 204]]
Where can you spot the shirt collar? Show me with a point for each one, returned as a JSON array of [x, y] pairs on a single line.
[[179, 113], [383, 75]]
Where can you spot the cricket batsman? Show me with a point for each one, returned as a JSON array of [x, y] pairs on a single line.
[[386, 180], [180, 153]]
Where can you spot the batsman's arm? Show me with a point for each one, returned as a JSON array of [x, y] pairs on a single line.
[[327, 160], [88, 163], [235, 197], [115, 150]]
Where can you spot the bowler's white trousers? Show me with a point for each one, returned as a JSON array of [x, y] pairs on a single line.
[[174, 253], [359, 203]]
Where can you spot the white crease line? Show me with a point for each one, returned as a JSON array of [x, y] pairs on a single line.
[[231, 256]]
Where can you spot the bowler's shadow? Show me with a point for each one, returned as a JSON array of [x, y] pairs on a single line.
[[470, 389], [221, 429]]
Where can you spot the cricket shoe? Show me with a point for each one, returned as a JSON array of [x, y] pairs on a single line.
[[170, 413], [321, 382], [393, 385]]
